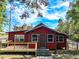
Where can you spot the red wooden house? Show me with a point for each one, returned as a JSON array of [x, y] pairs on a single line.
[[44, 36]]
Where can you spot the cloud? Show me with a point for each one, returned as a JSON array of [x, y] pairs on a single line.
[[55, 10], [55, 15], [60, 5], [51, 16], [18, 12]]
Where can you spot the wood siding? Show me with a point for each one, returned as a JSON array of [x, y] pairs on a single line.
[[40, 30]]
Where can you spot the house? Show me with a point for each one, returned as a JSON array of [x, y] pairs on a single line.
[[44, 36]]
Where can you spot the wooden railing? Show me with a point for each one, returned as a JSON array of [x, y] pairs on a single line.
[[21, 43], [25, 43]]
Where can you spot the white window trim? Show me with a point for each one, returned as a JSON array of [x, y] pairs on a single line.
[[52, 38], [59, 40], [19, 37], [32, 37]]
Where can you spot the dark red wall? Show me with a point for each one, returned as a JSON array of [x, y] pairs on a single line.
[[11, 35], [46, 31]]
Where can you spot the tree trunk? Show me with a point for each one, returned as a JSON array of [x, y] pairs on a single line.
[[77, 45]]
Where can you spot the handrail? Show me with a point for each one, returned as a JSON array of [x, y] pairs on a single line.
[[15, 47], [22, 42], [27, 43]]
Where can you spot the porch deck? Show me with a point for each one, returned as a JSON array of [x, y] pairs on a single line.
[[17, 49], [14, 47]]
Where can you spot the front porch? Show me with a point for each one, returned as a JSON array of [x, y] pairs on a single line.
[[18, 46]]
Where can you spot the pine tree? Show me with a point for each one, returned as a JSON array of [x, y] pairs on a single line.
[[73, 22], [2, 13]]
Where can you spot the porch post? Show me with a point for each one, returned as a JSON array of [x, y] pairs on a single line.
[[36, 49], [7, 43], [36, 45], [0, 44], [55, 43], [66, 47], [14, 45]]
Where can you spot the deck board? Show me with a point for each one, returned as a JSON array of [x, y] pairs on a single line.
[[17, 49], [27, 50]]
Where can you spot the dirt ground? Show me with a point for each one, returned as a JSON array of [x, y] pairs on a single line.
[[16, 57], [65, 56], [54, 56]]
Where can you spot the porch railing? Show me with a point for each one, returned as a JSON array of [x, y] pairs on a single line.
[[8, 43]]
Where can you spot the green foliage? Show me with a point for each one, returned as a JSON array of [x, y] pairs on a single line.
[[72, 24], [15, 28], [3, 18], [61, 26]]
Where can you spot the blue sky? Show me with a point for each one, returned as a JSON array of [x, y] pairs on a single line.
[[51, 13]]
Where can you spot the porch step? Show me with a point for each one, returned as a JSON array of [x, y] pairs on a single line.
[[43, 52]]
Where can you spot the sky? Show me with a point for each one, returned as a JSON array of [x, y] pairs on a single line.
[[55, 10]]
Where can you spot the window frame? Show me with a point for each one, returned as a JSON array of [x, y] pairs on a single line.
[[59, 39], [52, 38], [19, 37], [32, 37]]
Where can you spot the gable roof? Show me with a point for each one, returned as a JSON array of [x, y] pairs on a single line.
[[43, 25], [38, 26]]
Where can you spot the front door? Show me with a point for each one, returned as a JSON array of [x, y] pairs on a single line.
[[42, 40]]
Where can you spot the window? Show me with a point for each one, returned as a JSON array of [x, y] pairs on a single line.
[[60, 38], [50, 38], [34, 37], [19, 38]]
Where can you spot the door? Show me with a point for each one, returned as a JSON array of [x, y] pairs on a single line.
[[42, 41]]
